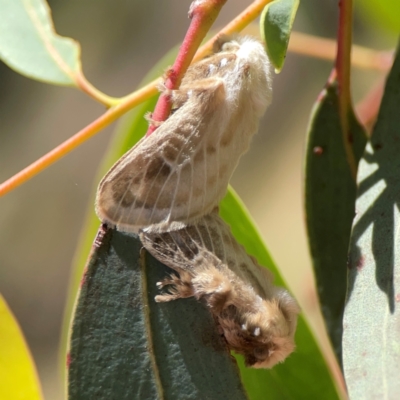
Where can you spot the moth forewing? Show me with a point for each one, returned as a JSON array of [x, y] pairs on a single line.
[[258, 319], [181, 171]]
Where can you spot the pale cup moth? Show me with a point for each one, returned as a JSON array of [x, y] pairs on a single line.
[[257, 318], [182, 171]]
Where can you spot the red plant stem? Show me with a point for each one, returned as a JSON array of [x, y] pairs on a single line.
[[344, 52], [342, 66], [203, 13]]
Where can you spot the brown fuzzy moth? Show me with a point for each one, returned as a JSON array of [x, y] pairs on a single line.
[[181, 171], [257, 318]]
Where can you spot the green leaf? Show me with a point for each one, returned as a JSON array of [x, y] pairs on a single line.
[[30, 46], [124, 345], [371, 337], [276, 23], [330, 194], [304, 375], [18, 376]]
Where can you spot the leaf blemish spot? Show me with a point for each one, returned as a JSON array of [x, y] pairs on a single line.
[[360, 263], [318, 150]]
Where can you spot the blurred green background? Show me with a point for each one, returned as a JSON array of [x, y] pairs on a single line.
[[121, 40]]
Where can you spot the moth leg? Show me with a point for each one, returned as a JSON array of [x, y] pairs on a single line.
[[179, 287], [149, 118], [162, 88]]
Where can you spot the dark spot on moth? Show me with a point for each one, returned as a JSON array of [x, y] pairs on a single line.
[[211, 149], [231, 261], [139, 203], [170, 152], [137, 179], [186, 244], [189, 251], [172, 148], [127, 199], [122, 195], [227, 138], [120, 184], [157, 167], [243, 266]]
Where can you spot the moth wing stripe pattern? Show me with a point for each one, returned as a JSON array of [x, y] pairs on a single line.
[[128, 186], [177, 171]]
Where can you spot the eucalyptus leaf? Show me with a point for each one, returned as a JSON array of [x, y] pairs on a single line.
[[304, 374], [18, 376], [124, 345], [330, 194], [276, 23], [371, 337], [30, 46]]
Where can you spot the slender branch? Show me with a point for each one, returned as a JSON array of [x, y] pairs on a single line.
[[86, 87], [203, 13], [343, 60], [126, 104], [86, 133], [362, 57]]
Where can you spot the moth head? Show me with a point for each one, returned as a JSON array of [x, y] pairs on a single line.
[[264, 337]]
